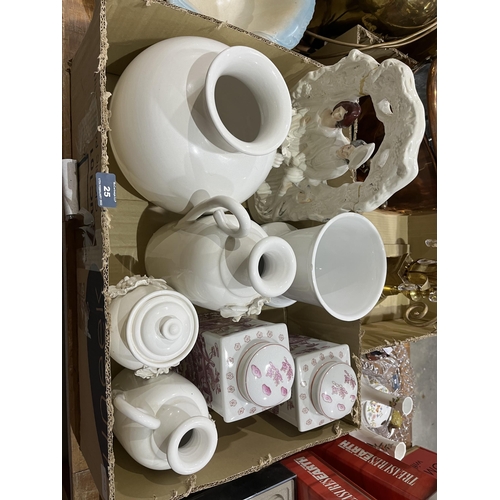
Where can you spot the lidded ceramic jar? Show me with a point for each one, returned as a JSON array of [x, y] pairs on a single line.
[[192, 118], [222, 262], [163, 422], [325, 387], [153, 327], [241, 368]]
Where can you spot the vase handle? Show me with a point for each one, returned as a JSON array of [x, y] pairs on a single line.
[[218, 204], [135, 414]]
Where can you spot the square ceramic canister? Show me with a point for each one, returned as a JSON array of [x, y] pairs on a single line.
[[241, 368], [325, 386]]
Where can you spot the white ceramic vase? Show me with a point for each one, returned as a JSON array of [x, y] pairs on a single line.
[[192, 118], [153, 327], [163, 422], [221, 262], [341, 265]]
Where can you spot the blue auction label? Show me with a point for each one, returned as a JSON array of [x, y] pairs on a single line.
[[106, 190]]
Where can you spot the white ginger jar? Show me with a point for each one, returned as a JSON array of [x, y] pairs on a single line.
[[192, 118], [153, 327]]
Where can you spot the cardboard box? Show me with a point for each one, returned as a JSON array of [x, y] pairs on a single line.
[[113, 246], [316, 480], [373, 470]]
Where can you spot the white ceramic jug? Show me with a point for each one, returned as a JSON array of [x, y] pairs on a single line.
[[153, 327], [192, 118], [221, 262], [163, 422]]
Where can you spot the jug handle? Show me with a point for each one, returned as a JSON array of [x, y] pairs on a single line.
[[135, 414], [219, 204]]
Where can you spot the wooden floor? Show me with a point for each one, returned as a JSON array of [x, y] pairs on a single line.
[[77, 480]]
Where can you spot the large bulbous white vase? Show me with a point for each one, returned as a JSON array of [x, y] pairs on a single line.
[[222, 262], [163, 422], [192, 118]]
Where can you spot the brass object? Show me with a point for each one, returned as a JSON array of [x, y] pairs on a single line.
[[416, 280], [396, 419], [432, 102]]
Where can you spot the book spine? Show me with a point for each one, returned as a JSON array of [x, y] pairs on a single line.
[[316, 480], [374, 471]]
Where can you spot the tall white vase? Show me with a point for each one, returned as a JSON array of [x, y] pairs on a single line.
[[163, 422], [224, 263], [341, 265], [192, 118]]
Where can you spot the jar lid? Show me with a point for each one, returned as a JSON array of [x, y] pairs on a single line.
[[265, 374], [162, 329], [334, 389]]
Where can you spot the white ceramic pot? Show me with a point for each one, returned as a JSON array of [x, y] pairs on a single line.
[[221, 262], [325, 386], [241, 368], [341, 265], [163, 422], [192, 118], [153, 327]]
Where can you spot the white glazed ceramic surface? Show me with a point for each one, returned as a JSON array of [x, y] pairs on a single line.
[[152, 326], [396, 449], [373, 413], [192, 118], [241, 368], [232, 275], [341, 265], [334, 390], [378, 393], [163, 422], [265, 374], [281, 21], [325, 386]]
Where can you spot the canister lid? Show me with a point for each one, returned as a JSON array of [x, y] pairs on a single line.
[[265, 374], [334, 389], [162, 329]]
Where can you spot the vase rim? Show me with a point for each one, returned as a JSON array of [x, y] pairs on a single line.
[[263, 79]]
